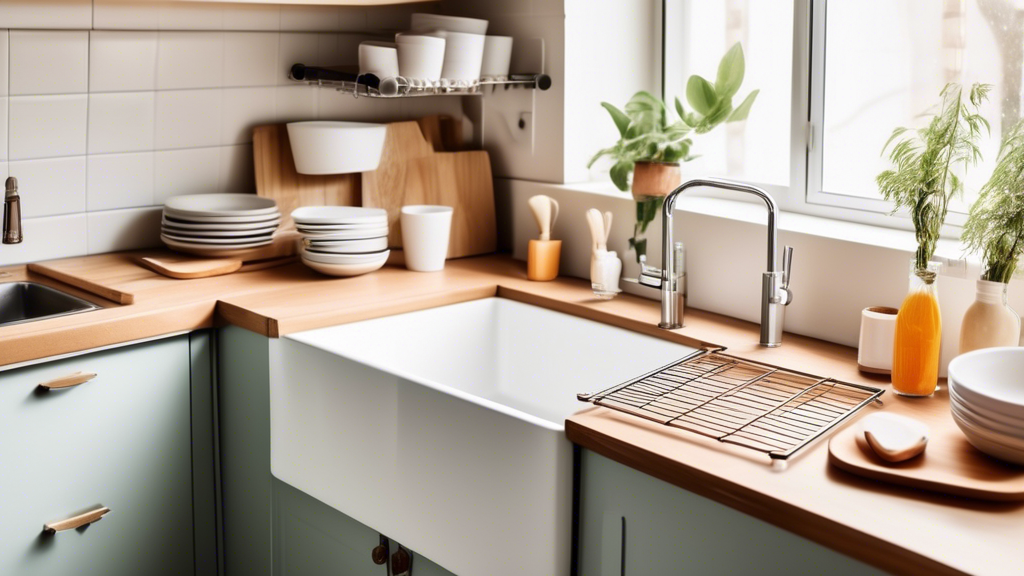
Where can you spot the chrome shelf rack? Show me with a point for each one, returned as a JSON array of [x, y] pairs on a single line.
[[372, 87], [739, 402]]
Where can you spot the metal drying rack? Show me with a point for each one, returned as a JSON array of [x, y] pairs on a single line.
[[370, 86], [739, 402]]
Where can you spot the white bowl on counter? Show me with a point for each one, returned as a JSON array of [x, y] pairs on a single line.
[[221, 205], [420, 56], [991, 379], [322, 147], [358, 246], [339, 216], [422, 22]]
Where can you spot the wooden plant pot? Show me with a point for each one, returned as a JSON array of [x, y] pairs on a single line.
[[655, 179]]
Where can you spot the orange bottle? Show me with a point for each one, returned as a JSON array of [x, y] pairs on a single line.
[[915, 357]]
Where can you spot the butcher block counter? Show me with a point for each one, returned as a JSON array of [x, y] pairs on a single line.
[[893, 528]]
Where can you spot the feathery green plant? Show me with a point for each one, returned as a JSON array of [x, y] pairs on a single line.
[[995, 225], [924, 177]]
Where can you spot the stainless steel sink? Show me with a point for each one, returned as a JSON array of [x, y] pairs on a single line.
[[30, 301]]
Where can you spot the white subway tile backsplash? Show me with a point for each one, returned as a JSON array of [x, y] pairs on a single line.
[[113, 230], [252, 17], [4, 60], [188, 118], [237, 173], [244, 108], [120, 181], [189, 171], [51, 14], [122, 61], [296, 103], [50, 187], [121, 122], [303, 48], [310, 18], [47, 126], [49, 61], [190, 60], [191, 16], [250, 58], [126, 15], [48, 238], [3, 129]]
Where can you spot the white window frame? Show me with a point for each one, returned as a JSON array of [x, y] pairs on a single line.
[[805, 194]]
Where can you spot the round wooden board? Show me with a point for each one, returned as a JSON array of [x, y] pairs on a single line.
[[949, 465]]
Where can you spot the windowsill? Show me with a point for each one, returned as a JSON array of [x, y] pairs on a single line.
[[949, 251]]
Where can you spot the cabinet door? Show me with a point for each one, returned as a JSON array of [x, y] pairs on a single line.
[[120, 440], [633, 524]]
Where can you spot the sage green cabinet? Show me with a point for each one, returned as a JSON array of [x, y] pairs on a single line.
[[271, 528], [632, 524], [123, 440]]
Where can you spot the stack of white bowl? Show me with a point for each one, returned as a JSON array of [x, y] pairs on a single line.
[[342, 240], [986, 396], [218, 224]]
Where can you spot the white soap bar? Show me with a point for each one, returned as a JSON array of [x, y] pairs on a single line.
[[894, 437]]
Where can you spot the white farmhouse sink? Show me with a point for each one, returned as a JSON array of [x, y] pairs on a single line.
[[443, 428]]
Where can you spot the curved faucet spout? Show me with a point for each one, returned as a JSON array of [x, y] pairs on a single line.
[[775, 294]]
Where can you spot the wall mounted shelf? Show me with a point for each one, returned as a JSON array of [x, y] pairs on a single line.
[[371, 87]]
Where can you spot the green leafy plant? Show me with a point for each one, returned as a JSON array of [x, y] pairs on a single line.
[[924, 176], [648, 133], [995, 226]]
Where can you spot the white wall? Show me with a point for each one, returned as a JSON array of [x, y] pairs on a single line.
[[108, 109], [839, 268]]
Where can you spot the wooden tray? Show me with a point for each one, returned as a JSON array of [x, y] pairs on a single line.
[[950, 465]]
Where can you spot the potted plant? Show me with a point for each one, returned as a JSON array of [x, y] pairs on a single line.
[[995, 227], [651, 144], [924, 180]]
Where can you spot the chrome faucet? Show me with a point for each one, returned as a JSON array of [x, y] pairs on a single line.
[[775, 293], [12, 213]]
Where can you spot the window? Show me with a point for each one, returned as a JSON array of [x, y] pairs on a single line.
[[836, 77]]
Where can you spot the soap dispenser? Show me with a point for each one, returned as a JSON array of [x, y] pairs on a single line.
[[544, 253], [605, 266]]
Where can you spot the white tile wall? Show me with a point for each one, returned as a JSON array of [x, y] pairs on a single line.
[[156, 99]]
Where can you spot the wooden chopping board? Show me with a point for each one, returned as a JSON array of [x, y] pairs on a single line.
[[411, 172], [949, 465], [277, 178]]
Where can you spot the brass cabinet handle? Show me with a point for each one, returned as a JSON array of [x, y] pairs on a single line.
[[75, 521], [68, 381]]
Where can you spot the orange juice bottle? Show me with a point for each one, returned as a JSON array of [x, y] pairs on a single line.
[[915, 355]]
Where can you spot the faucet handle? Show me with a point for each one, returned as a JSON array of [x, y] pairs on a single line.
[[787, 269], [649, 275]]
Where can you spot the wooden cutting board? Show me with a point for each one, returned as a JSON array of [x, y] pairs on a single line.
[[187, 268], [950, 465], [277, 178], [411, 172]]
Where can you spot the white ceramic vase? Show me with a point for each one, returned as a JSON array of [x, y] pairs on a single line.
[[989, 322]]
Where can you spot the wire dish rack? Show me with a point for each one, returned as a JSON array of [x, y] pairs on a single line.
[[736, 401]]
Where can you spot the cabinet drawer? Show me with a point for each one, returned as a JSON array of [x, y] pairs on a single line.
[[120, 440]]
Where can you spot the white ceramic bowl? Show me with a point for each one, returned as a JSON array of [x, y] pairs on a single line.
[[334, 258], [379, 59], [983, 413], [463, 55], [985, 442], [209, 249], [217, 220], [339, 215], [186, 233], [1008, 435], [210, 241], [422, 22], [497, 57], [321, 147], [214, 205], [361, 246], [420, 57], [345, 269], [361, 234], [991, 378]]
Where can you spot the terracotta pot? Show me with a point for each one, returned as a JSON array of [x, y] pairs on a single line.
[[655, 179]]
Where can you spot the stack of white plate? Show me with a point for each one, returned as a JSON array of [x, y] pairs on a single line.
[[342, 240], [986, 396], [215, 224]]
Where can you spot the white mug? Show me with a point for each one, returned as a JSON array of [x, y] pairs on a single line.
[[877, 334], [425, 233]]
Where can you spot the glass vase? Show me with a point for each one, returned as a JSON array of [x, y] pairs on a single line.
[[916, 347], [990, 321]]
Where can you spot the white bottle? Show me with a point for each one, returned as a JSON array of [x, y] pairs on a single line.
[[989, 322]]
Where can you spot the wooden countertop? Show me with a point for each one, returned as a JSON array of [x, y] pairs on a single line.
[[894, 528]]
